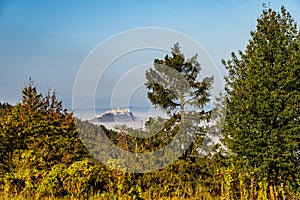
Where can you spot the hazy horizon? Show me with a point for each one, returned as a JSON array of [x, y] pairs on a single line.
[[48, 41]]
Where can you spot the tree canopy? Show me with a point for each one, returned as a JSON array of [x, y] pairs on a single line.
[[43, 157], [263, 93], [173, 85], [39, 126]]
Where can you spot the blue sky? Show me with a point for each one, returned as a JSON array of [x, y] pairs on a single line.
[[48, 40]]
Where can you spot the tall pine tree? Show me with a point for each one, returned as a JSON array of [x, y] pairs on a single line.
[[263, 104], [174, 86]]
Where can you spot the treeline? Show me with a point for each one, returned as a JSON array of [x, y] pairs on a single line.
[[47, 153], [42, 156]]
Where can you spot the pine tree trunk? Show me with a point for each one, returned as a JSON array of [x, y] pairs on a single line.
[[252, 190], [181, 100], [272, 192], [242, 188]]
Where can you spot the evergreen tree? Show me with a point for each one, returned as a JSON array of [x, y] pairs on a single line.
[[174, 86], [39, 126], [263, 93], [5, 108]]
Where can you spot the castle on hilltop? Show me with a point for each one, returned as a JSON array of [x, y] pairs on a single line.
[[115, 115], [117, 111]]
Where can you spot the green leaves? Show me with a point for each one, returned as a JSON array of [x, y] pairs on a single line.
[[262, 119], [173, 84], [37, 134]]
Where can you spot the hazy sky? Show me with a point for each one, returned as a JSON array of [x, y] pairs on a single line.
[[49, 40]]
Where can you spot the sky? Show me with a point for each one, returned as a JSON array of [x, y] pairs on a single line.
[[50, 40]]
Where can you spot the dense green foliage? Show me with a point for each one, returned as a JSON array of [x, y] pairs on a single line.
[[263, 111], [43, 147], [173, 85], [42, 156]]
